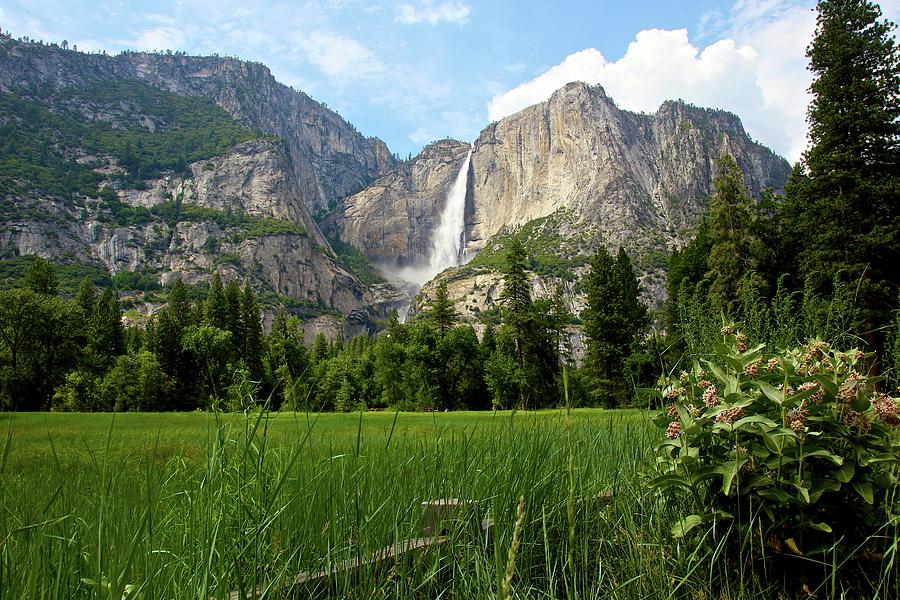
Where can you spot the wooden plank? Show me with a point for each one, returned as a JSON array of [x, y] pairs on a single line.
[[318, 579]]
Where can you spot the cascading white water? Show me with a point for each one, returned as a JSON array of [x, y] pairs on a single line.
[[448, 243]]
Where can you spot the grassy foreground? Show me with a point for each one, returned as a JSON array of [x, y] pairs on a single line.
[[196, 505]]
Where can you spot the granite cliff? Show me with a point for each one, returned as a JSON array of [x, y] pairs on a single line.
[[393, 220], [254, 160], [571, 174]]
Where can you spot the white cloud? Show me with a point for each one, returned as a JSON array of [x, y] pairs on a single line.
[[451, 11], [456, 124], [164, 37], [757, 69], [338, 55]]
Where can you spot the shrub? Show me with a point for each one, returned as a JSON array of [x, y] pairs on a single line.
[[793, 453]]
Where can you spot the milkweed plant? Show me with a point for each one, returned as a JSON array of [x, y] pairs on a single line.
[[796, 451]]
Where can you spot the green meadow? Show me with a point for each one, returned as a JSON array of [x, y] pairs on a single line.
[[196, 505]]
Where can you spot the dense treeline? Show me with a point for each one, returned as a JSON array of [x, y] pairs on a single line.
[[208, 350], [822, 260]]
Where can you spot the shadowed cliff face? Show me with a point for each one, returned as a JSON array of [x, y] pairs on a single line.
[[305, 159], [329, 159], [589, 173], [393, 220]]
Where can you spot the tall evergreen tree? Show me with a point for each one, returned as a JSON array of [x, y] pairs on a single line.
[[233, 322], [845, 212], [516, 297], [179, 302], [86, 297], [614, 320], [107, 338], [735, 250], [443, 315], [252, 332], [215, 312]]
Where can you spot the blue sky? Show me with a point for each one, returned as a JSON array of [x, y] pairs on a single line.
[[412, 71]]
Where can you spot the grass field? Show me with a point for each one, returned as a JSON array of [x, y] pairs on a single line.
[[196, 505]]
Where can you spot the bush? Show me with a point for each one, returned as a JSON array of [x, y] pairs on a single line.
[[791, 454]]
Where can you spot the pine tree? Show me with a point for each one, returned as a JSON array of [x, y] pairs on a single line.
[[613, 320], [107, 340], [179, 303], [845, 213], [86, 297], [735, 250], [443, 315], [516, 297], [233, 321], [214, 309], [252, 331]]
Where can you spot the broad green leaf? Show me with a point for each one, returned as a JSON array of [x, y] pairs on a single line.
[[824, 454], [802, 493], [864, 489], [860, 403], [774, 493], [682, 527], [716, 371], [754, 419], [734, 364], [885, 480], [792, 546], [771, 392], [729, 471], [883, 457], [829, 386], [820, 527], [845, 473]]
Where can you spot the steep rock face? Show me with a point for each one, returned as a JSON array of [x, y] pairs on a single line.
[[641, 179], [329, 159], [393, 220], [574, 173], [250, 179]]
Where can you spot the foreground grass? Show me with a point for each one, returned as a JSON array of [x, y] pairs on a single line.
[[196, 505]]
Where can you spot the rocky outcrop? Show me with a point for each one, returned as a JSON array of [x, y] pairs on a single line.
[[641, 179], [328, 158], [250, 179], [393, 220]]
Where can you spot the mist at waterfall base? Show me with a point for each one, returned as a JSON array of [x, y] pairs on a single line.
[[448, 243]]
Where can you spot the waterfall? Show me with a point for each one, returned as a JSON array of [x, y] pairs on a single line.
[[448, 243]]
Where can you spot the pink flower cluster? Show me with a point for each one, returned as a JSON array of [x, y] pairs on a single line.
[[730, 415], [711, 396], [673, 430], [741, 342], [752, 369], [809, 385], [856, 419], [796, 418], [887, 410], [849, 389], [772, 365], [673, 411]]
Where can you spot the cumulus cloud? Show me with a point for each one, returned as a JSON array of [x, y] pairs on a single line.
[[757, 69], [163, 37], [456, 124], [451, 11], [661, 64], [338, 55]]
